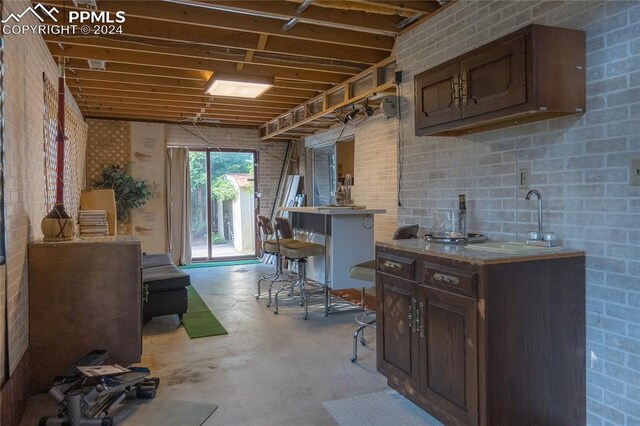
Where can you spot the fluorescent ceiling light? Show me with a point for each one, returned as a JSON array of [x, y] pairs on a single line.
[[237, 86]]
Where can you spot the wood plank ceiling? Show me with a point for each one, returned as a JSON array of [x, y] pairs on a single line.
[[157, 68]]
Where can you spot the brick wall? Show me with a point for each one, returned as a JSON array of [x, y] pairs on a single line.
[[26, 58], [579, 163], [375, 171], [270, 154]]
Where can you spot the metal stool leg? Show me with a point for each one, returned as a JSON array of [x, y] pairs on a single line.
[[303, 289], [359, 330]]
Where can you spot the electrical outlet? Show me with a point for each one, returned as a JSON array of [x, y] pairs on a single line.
[[634, 172], [523, 177]]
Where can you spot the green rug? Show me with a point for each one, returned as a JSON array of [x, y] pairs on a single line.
[[198, 320], [225, 263]]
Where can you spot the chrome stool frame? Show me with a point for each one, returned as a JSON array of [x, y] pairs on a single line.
[[362, 271], [267, 233], [298, 251], [364, 319]]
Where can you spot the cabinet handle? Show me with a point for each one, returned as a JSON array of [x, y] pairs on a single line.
[[145, 295], [392, 265], [413, 316], [446, 279], [421, 319], [463, 88], [455, 90]]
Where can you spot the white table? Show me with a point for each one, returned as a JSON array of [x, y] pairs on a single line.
[[347, 235]]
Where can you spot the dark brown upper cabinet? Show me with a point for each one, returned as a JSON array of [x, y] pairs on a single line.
[[535, 73]]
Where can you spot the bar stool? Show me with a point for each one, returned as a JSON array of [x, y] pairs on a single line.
[[298, 251], [271, 246], [366, 271]]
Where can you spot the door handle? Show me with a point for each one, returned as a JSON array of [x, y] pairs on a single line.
[[413, 315], [421, 319], [446, 279], [394, 266], [455, 90], [463, 88]]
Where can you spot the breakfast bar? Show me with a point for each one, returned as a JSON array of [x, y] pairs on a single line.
[[347, 235]]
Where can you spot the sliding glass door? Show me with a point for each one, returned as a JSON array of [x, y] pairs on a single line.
[[223, 204]]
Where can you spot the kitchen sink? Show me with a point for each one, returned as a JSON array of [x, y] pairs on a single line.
[[508, 247]]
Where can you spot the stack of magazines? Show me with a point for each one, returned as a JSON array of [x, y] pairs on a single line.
[[93, 222]]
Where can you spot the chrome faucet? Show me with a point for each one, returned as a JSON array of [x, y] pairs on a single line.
[[542, 240], [528, 197]]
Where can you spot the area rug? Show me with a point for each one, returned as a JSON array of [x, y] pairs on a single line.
[[169, 413], [198, 320], [355, 296], [215, 264], [378, 409]]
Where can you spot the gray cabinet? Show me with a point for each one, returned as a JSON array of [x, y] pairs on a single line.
[[83, 295]]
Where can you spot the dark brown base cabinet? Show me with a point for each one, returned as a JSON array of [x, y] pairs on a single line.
[[490, 344]]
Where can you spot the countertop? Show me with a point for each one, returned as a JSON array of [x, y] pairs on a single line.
[[101, 239], [474, 254], [332, 211]]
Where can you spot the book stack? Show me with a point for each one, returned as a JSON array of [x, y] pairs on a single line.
[[93, 222]]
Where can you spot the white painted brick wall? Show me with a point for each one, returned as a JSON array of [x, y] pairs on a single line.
[[375, 169], [579, 163], [26, 58]]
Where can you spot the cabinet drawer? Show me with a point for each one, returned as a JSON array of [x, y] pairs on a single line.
[[451, 279], [403, 267]]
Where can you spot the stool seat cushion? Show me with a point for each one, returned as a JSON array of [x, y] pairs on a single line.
[[300, 250], [365, 271], [271, 246]]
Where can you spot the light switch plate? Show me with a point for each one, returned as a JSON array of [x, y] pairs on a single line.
[[634, 172], [523, 177]]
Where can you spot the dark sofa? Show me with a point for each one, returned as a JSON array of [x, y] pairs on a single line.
[[164, 287]]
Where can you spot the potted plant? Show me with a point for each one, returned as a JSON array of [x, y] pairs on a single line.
[[130, 192]]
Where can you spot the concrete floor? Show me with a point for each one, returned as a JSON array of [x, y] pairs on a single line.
[[270, 369]]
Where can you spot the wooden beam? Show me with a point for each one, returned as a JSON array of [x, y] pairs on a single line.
[[413, 6], [177, 110], [194, 59], [172, 34], [248, 57], [275, 128], [275, 94], [101, 79], [135, 58], [106, 93], [181, 123], [88, 99], [146, 105], [221, 117], [143, 74], [165, 116], [199, 16], [332, 17]]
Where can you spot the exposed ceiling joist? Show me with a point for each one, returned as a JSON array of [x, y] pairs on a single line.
[[237, 22], [172, 34], [414, 6], [273, 66], [336, 18], [166, 51]]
